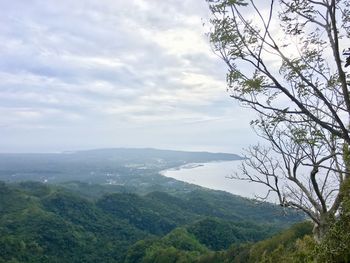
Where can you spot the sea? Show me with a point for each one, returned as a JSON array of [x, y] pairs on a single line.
[[217, 176]]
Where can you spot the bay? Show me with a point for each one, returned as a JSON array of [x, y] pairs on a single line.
[[215, 175]]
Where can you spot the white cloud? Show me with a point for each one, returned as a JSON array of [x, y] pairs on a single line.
[[92, 66]]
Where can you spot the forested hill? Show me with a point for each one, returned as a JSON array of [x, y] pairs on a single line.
[[112, 205], [42, 223]]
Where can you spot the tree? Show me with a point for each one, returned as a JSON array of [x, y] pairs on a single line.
[[285, 62], [335, 245]]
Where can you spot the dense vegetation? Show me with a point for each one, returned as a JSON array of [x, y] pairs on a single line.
[[295, 244], [46, 225], [292, 245], [41, 223], [146, 217]]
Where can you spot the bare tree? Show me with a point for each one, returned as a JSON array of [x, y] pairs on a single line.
[[285, 62], [303, 167]]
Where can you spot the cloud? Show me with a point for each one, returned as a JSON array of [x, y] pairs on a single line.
[[73, 65]]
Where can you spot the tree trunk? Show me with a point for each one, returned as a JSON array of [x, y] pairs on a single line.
[[321, 229]]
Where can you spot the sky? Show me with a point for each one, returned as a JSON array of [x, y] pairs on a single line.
[[87, 74]]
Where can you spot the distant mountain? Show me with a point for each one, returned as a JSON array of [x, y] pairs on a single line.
[[120, 166], [120, 156]]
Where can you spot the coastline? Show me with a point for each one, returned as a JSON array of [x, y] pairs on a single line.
[[214, 175]]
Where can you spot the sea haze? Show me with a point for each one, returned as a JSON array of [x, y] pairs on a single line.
[[135, 170], [132, 170]]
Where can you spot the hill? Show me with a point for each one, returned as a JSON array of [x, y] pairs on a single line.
[[42, 223], [112, 205]]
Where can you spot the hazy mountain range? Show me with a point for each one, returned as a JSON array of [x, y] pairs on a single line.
[[138, 168]]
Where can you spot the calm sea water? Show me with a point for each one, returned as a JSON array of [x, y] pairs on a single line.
[[214, 175]]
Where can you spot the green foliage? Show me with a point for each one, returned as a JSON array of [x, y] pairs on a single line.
[[137, 251], [35, 188], [295, 244], [219, 234], [226, 206], [276, 247], [292, 245], [187, 246], [181, 239], [137, 211], [59, 227], [335, 245], [346, 155], [41, 223], [177, 246]]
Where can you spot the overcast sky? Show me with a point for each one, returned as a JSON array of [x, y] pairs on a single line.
[[88, 74]]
